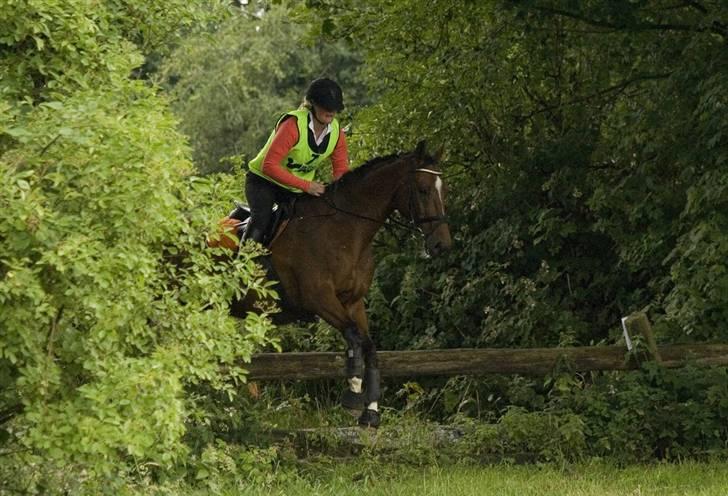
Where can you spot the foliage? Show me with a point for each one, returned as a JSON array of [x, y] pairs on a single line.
[[112, 309], [230, 85], [51, 47], [627, 417], [252, 467], [658, 412], [587, 152]]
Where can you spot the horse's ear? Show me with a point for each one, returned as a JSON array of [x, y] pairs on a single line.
[[420, 150], [439, 154]]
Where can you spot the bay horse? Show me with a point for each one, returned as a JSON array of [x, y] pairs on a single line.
[[323, 258]]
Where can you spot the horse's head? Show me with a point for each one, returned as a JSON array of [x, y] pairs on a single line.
[[422, 199]]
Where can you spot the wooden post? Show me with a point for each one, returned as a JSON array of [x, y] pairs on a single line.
[[638, 323]]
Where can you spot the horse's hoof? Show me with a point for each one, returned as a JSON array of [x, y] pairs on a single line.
[[369, 418], [352, 401]]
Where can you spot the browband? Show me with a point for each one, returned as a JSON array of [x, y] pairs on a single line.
[[429, 171]]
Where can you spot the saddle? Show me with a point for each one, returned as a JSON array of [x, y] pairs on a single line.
[[232, 227], [230, 231]]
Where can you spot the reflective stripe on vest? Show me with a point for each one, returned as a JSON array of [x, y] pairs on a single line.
[[301, 161]]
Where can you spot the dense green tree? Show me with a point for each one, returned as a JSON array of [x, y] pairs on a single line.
[[113, 315], [230, 86], [587, 153]]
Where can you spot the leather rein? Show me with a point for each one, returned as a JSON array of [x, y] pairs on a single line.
[[416, 220]]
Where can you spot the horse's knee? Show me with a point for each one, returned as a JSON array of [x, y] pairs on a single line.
[[354, 352]]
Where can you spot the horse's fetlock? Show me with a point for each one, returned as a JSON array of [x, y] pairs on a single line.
[[370, 418]]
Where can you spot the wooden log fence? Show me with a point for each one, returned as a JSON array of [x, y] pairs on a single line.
[[469, 361], [533, 361]]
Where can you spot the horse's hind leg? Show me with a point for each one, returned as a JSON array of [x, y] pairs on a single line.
[[328, 307]]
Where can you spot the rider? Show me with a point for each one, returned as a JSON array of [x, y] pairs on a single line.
[[296, 149]]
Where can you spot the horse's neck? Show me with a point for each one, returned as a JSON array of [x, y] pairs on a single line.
[[373, 195], [367, 201]]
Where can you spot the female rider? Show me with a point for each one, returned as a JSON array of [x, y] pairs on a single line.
[[296, 149]]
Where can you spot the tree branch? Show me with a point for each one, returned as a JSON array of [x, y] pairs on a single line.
[[10, 413], [54, 329], [696, 5], [618, 88], [716, 27]]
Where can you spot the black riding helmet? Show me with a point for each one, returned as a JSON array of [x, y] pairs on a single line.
[[325, 93]]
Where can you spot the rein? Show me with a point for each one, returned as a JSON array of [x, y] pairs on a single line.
[[397, 223], [418, 221]]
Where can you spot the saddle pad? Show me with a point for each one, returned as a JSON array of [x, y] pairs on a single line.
[[226, 235]]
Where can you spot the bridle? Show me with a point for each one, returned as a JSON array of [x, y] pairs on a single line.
[[437, 220], [433, 218], [416, 219]]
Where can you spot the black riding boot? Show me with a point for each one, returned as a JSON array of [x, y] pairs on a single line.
[[253, 233]]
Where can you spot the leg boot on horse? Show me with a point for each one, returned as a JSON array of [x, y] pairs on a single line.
[[370, 414], [353, 398]]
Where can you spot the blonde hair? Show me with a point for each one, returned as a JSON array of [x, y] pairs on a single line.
[[306, 104]]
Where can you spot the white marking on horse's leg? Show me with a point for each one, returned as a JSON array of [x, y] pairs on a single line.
[[438, 187], [355, 384], [373, 406]]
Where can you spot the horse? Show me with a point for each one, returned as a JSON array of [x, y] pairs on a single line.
[[323, 257]]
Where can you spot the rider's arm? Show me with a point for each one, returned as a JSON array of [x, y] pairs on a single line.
[[340, 157], [285, 138]]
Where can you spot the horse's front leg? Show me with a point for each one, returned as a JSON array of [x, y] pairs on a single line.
[[370, 416], [352, 324], [354, 398], [351, 320]]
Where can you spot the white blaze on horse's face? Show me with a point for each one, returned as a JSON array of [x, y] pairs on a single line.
[[430, 217], [438, 187]]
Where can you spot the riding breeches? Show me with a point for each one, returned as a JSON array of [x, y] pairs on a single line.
[[261, 195]]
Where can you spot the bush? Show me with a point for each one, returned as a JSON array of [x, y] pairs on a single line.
[[112, 309]]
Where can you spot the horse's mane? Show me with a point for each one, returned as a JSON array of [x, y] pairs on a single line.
[[363, 170]]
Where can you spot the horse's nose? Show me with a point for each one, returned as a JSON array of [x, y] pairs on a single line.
[[436, 247], [438, 241]]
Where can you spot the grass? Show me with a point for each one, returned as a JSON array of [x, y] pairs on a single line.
[[593, 479]]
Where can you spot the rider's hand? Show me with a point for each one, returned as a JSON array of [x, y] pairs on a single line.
[[315, 188]]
